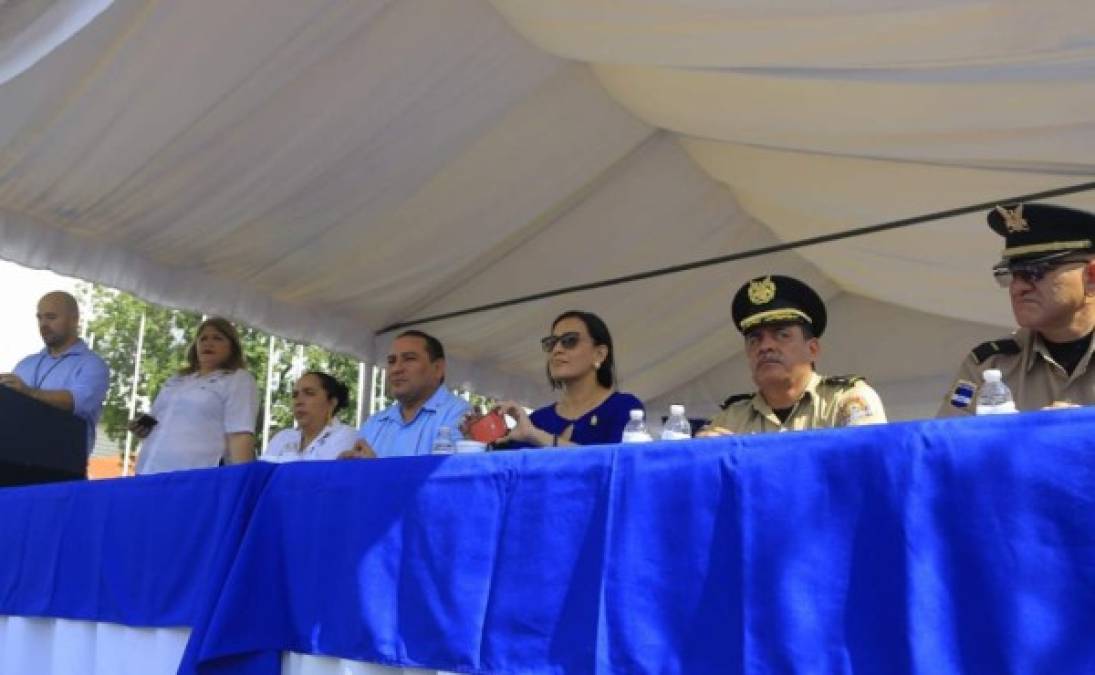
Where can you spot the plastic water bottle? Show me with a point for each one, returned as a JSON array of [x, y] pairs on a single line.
[[635, 431], [443, 443], [677, 427], [994, 397]]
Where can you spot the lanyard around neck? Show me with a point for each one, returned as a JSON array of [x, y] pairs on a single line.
[[38, 382]]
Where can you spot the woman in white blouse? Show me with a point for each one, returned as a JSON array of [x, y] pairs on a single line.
[[317, 398], [207, 412]]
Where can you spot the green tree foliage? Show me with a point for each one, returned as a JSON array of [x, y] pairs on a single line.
[[113, 323], [481, 402], [291, 359]]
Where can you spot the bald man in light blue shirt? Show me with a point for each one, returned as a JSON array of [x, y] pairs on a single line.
[[66, 374]]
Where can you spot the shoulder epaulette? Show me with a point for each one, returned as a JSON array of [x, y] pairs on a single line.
[[994, 347], [731, 400], [841, 380]]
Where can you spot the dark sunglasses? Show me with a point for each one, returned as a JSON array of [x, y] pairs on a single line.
[[568, 340], [1031, 272]]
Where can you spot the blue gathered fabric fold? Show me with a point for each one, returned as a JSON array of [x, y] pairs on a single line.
[[955, 545]]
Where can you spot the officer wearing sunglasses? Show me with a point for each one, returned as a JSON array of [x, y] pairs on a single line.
[[1048, 271]]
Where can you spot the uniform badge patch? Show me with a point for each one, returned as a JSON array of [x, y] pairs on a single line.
[[962, 394], [1013, 219], [762, 291], [853, 409]]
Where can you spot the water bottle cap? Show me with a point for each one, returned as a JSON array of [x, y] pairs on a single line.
[[676, 410], [636, 414], [991, 375]]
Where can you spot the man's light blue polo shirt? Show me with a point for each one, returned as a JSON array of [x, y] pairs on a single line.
[[389, 436], [77, 370]]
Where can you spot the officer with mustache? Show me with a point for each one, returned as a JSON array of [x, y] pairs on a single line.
[[781, 319]]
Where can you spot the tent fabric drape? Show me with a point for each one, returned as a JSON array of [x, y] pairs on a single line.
[[57, 646], [323, 169]]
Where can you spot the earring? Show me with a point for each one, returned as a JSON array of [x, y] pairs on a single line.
[[596, 365]]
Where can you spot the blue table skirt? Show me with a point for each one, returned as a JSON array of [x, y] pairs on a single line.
[[958, 545]]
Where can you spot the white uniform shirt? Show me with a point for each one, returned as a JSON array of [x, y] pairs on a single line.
[[194, 412], [329, 444]]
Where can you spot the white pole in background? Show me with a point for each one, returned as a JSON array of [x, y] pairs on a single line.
[[298, 368], [269, 377], [375, 385], [300, 365], [133, 395], [360, 393]]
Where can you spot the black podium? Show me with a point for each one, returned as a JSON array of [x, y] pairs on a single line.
[[39, 443]]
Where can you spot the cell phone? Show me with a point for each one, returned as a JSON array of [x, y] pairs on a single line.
[[488, 428]]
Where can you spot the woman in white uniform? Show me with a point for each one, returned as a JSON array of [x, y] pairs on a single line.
[[207, 412], [317, 398]]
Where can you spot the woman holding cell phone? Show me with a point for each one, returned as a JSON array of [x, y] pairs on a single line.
[[581, 366], [207, 412]]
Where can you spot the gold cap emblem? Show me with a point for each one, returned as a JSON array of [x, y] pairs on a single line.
[[1013, 219], [762, 291]]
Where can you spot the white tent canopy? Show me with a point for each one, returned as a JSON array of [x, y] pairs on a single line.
[[321, 169]]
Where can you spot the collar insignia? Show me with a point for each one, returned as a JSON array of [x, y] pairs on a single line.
[[762, 291], [1013, 219]]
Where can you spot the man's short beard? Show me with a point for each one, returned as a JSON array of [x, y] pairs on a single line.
[[55, 339]]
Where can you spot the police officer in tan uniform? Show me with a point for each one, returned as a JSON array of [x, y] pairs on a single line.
[[782, 319], [1048, 270]]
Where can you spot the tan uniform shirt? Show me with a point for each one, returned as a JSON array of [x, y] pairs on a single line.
[[826, 402], [1035, 379]]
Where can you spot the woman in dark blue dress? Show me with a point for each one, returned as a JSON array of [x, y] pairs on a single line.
[[581, 365]]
